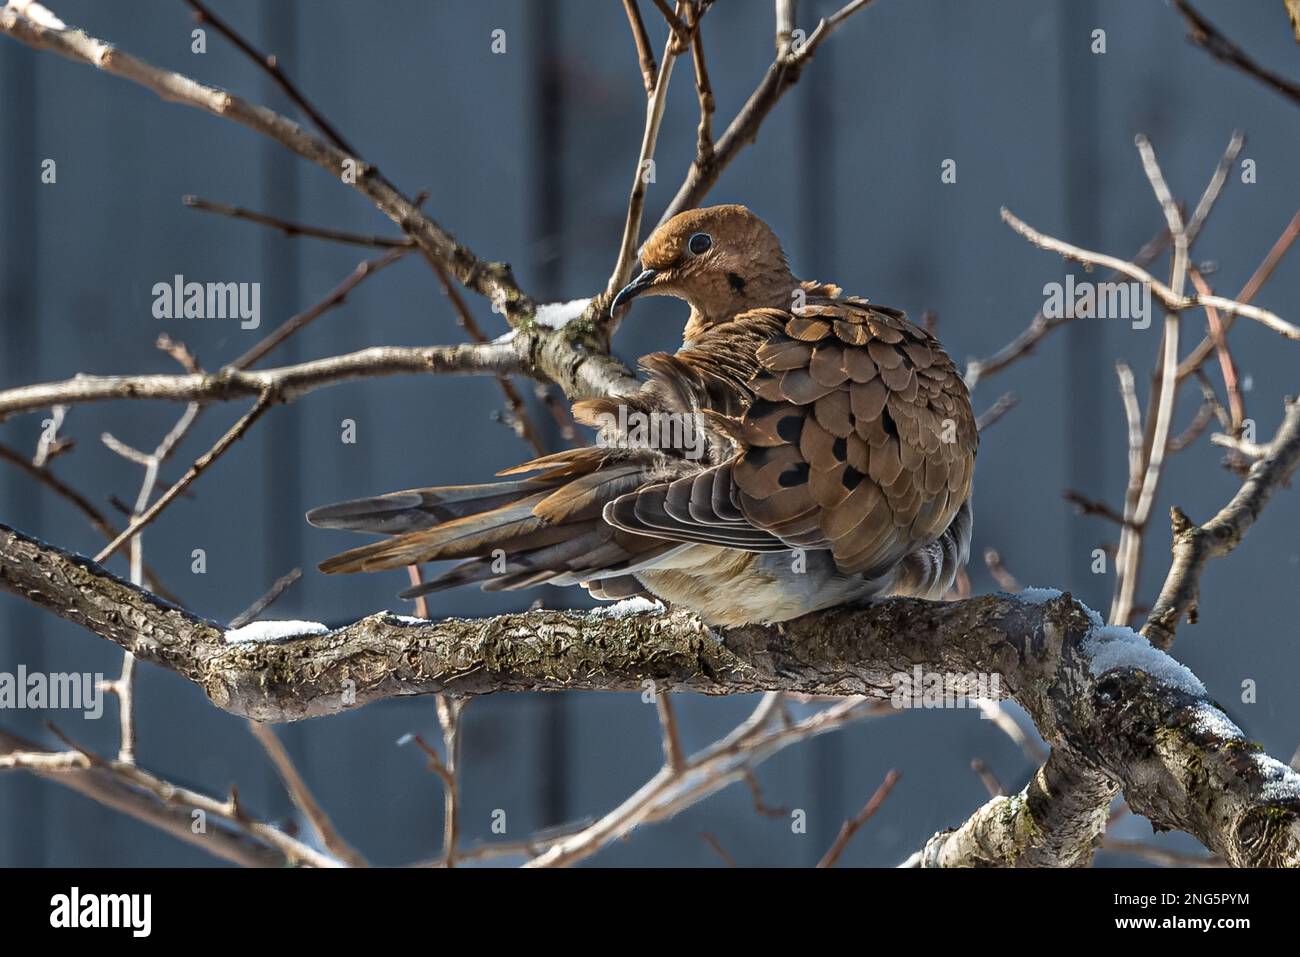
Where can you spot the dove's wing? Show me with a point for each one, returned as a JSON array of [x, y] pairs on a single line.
[[860, 440]]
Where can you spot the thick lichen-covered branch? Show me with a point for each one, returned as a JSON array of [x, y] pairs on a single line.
[[1104, 696]]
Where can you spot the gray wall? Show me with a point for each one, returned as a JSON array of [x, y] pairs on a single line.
[[527, 157]]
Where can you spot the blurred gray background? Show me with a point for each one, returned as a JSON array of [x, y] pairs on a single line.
[[527, 157]]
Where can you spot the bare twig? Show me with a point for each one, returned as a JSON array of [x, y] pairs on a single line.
[[704, 93], [645, 56], [254, 610], [289, 382], [1137, 508], [1236, 403], [1256, 282], [1171, 301], [1194, 545], [271, 65], [449, 714], [201, 464], [1006, 581], [1205, 35], [627, 250], [673, 756], [1040, 326], [1005, 403], [1091, 506], [780, 76], [336, 297], [854, 824], [291, 229], [303, 798], [718, 849], [987, 778], [93, 515]]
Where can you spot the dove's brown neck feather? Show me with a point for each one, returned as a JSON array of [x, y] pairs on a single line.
[[728, 294]]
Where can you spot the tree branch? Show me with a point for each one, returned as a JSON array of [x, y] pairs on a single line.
[[1194, 545], [290, 382], [1103, 694]]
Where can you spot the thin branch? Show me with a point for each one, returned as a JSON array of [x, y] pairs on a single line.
[[783, 73], [673, 755], [1167, 297], [253, 611], [94, 516], [289, 382], [644, 54], [1205, 35], [73, 770], [1040, 326], [704, 93], [1211, 194], [1137, 509], [303, 798], [854, 824], [271, 65], [493, 280], [987, 778], [680, 32], [1158, 855], [1256, 282], [292, 229], [718, 849], [201, 464], [519, 419], [449, 710], [627, 250], [1194, 545], [336, 297], [1092, 506], [1006, 581], [1005, 403], [1236, 402]]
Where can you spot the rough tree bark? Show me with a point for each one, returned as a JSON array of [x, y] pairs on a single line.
[[1103, 698]]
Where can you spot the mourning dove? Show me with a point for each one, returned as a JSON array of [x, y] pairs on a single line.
[[800, 451]]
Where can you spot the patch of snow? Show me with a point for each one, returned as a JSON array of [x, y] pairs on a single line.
[[505, 337], [1280, 784], [1210, 720], [275, 631], [1040, 596], [408, 620], [629, 606], [557, 315], [1113, 646], [38, 14]]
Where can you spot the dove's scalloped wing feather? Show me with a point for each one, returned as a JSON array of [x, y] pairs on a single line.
[[860, 440]]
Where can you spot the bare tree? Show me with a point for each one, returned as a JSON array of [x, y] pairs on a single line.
[[1119, 714]]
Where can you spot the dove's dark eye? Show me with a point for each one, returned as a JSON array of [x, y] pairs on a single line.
[[699, 243]]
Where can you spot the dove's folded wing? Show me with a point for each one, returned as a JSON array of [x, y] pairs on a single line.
[[860, 440]]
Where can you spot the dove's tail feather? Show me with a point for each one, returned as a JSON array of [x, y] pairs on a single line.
[[930, 571], [415, 509], [512, 534]]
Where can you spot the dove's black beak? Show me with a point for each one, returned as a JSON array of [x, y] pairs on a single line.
[[633, 289]]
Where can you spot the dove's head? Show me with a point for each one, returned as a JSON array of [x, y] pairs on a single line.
[[721, 259]]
